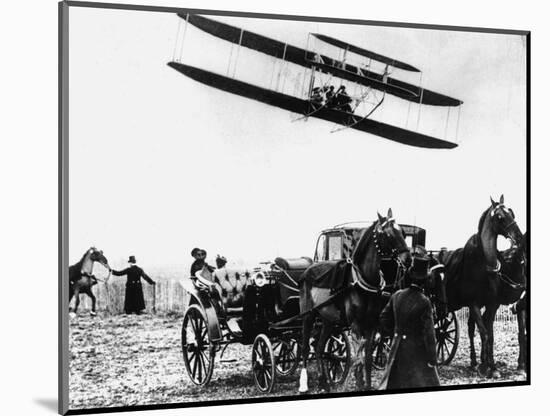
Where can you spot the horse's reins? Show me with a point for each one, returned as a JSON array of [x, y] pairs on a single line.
[[497, 269]]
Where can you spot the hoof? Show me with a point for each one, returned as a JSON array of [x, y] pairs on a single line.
[[324, 386], [495, 374], [483, 371], [92, 313]]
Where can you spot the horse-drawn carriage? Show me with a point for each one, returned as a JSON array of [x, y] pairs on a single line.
[[339, 242], [267, 315], [268, 318]]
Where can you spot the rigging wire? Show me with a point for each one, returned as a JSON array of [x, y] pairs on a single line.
[[237, 54], [447, 122], [229, 62], [183, 37], [281, 69], [457, 124], [421, 97], [177, 39]]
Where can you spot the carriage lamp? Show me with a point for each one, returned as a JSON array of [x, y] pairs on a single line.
[[260, 279]]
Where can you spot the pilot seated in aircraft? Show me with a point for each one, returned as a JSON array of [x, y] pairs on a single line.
[[329, 94], [343, 100], [316, 96]]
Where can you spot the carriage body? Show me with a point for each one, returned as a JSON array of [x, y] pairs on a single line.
[[268, 318], [338, 242]]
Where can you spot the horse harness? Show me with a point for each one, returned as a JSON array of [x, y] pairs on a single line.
[[497, 270], [357, 278]]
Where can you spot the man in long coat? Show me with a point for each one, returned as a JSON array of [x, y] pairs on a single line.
[[412, 358], [133, 301]]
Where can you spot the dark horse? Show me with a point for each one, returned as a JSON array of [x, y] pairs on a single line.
[[81, 278], [358, 301], [511, 285], [472, 276]]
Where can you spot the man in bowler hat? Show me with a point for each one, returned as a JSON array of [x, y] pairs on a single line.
[[412, 358], [134, 301]]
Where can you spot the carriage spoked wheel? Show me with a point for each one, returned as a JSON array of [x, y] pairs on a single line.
[[286, 356], [446, 338], [336, 357], [263, 364], [380, 351], [198, 351]]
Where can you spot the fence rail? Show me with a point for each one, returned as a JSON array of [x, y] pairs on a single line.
[[504, 320], [168, 296]]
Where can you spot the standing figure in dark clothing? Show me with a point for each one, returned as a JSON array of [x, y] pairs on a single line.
[[133, 301], [200, 261], [412, 358]]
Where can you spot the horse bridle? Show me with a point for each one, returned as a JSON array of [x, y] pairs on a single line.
[[508, 226], [394, 253], [357, 276]]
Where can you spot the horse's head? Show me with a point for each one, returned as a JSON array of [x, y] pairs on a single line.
[[390, 240], [503, 221], [97, 256]]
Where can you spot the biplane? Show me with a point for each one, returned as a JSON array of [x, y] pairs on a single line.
[[318, 99]]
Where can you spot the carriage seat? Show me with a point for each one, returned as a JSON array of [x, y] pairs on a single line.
[[294, 267], [231, 285]]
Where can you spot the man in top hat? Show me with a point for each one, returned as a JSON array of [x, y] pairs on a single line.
[[133, 301], [408, 314]]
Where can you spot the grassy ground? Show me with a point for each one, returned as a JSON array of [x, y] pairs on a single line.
[[136, 360]]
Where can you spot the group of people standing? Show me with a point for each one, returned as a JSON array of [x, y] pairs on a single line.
[[134, 301], [328, 97]]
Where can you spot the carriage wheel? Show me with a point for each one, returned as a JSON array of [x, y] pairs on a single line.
[[446, 336], [263, 364], [336, 357], [286, 356], [198, 351], [380, 351]]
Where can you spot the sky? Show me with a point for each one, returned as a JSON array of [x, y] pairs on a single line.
[[160, 164]]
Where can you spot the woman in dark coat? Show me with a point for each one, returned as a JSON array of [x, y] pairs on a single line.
[[408, 315], [133, 301], [200, 261]]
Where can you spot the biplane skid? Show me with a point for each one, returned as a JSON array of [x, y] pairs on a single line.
[[300, 106]]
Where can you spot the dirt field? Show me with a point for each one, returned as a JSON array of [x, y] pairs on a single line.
[[136, 360]]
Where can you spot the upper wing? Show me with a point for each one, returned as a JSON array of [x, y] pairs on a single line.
[[324, 63], [366, 53]]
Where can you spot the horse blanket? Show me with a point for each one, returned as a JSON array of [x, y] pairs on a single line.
[[327, 274]]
